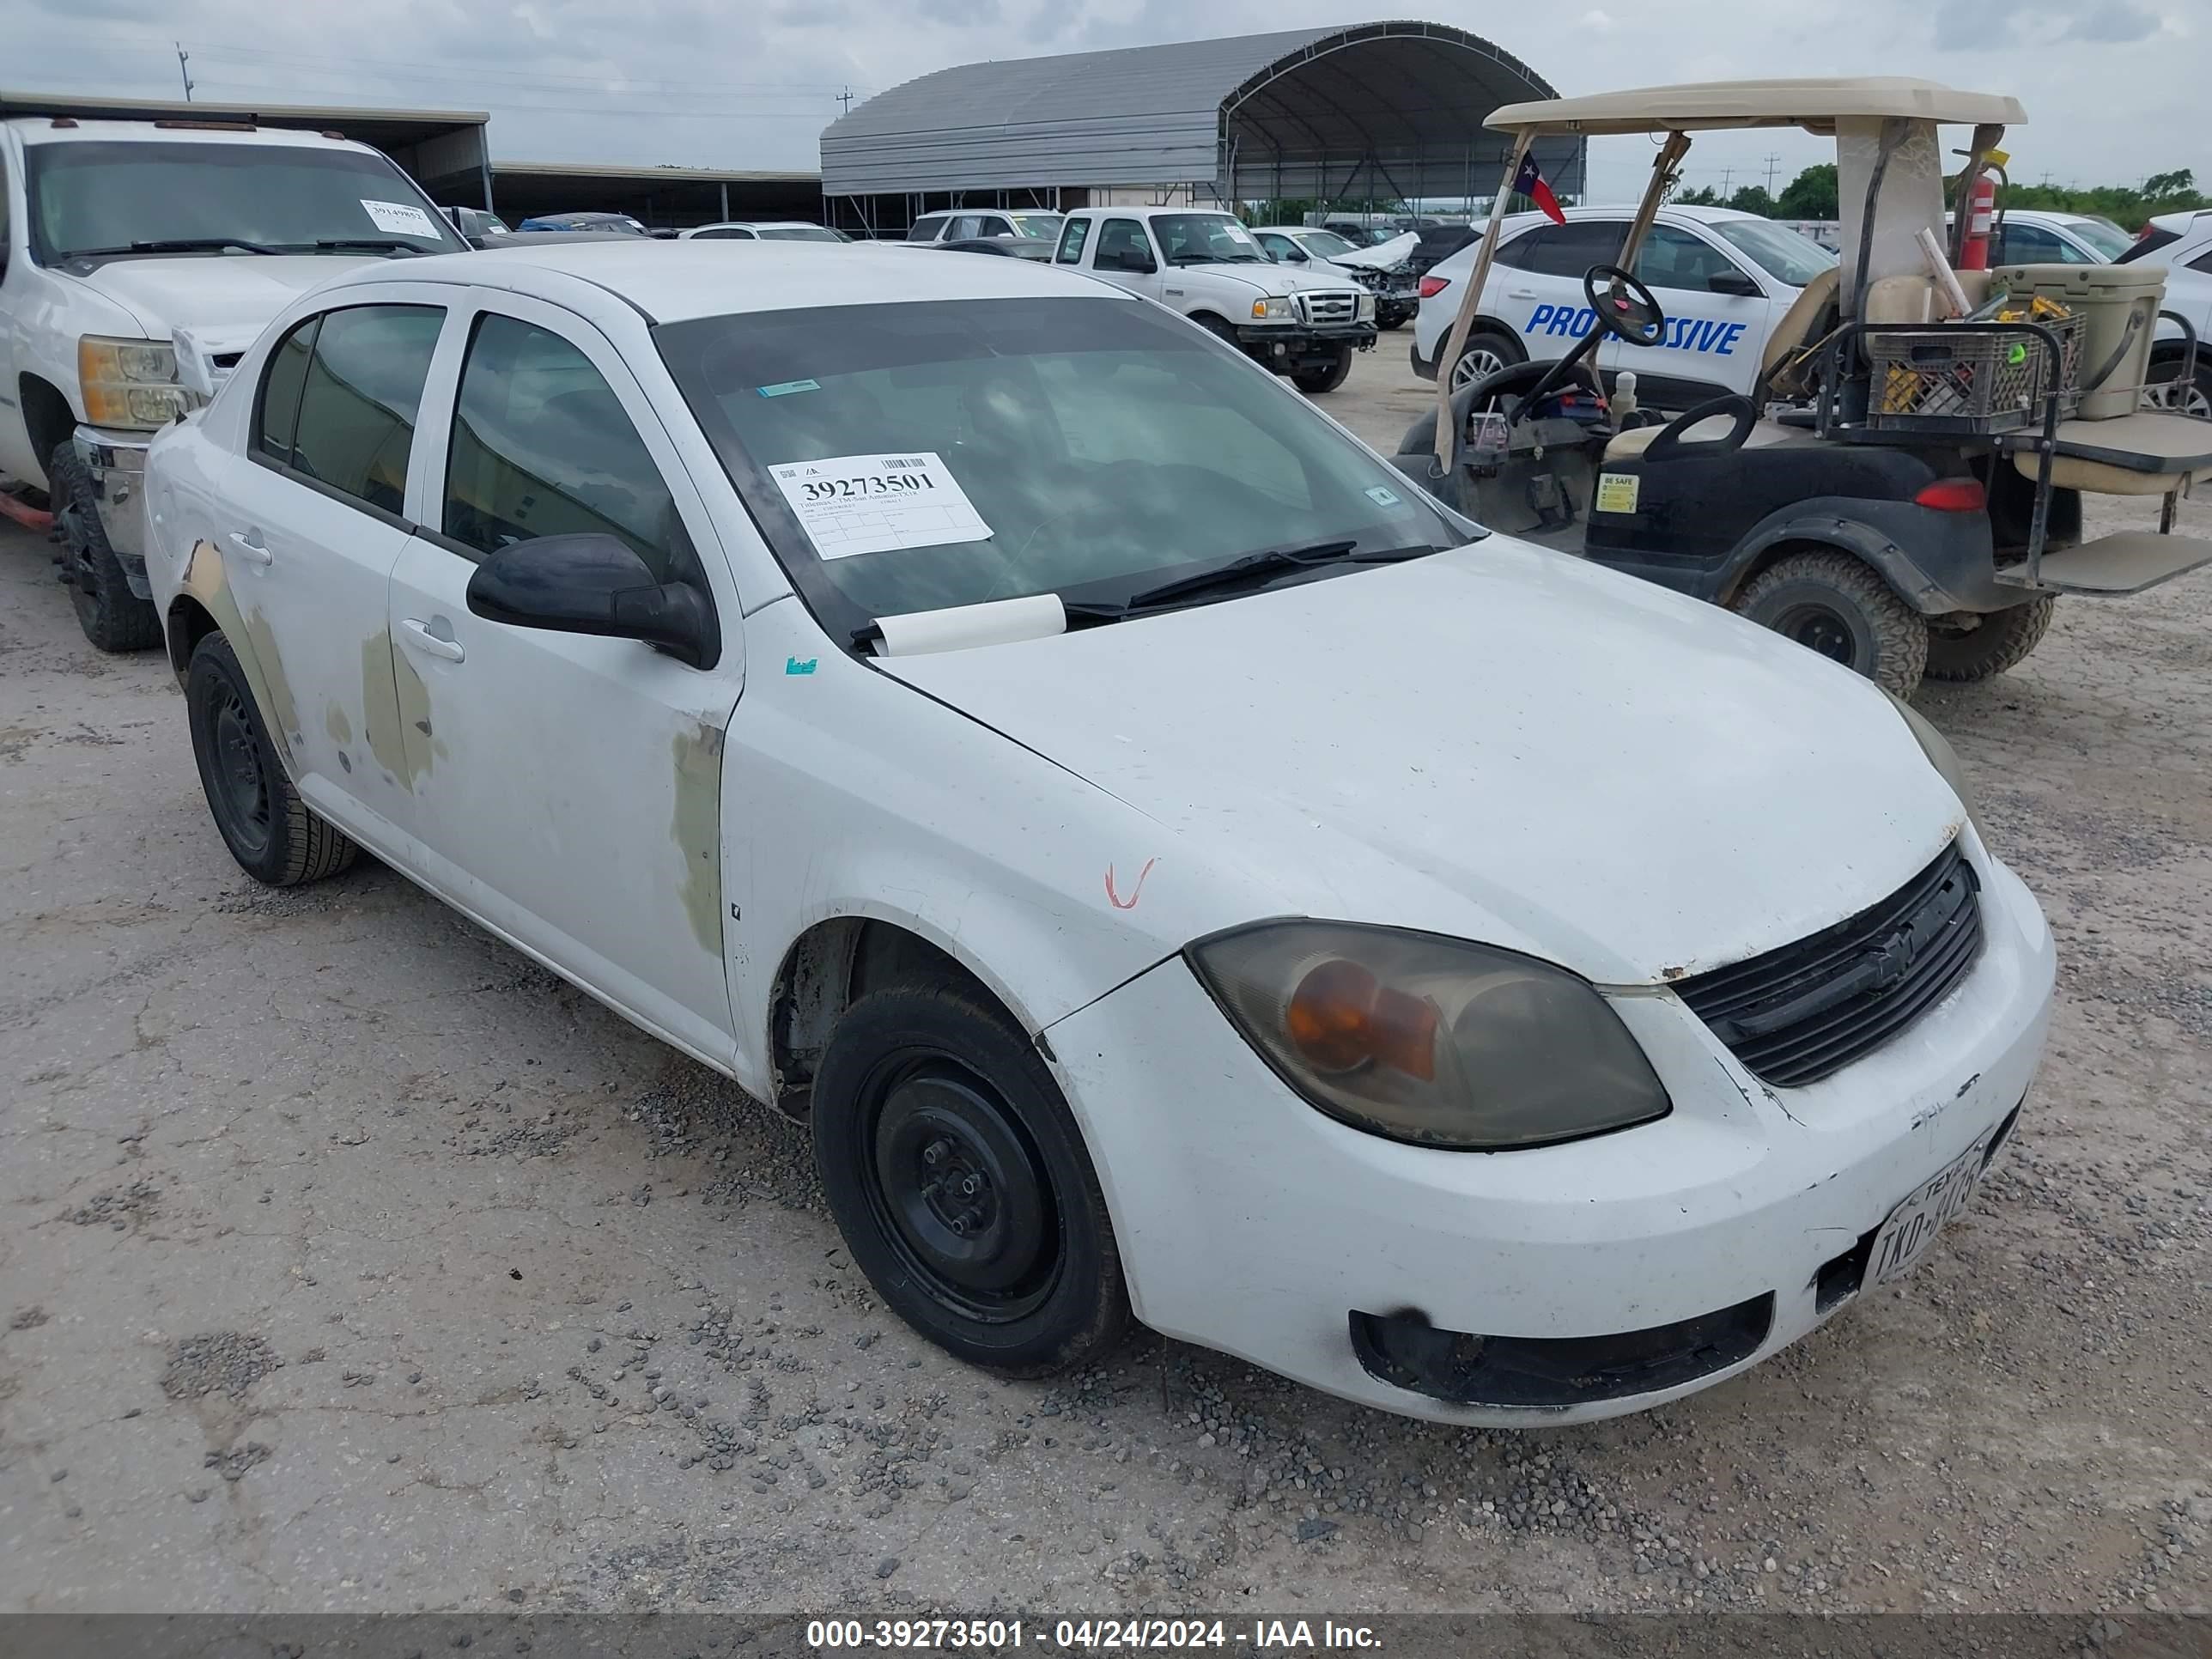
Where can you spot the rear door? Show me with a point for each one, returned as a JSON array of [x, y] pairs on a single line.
[[1715, 333], [569, 785], [1536, 283]]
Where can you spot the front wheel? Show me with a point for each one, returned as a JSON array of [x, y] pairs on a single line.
[[961, 1182], [1834, 602], [1326, 379], [113, 618], [1965, 646]]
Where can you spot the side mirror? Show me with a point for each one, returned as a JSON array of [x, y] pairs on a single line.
[[1297, 256], [1733, 282], [594, 584]]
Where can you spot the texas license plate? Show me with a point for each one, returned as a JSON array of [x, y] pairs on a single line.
[[1906, 1237]]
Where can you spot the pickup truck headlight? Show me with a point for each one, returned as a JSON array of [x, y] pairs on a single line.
[[129, 384], [1366, 307], [1436, 1041], [1270, 310]]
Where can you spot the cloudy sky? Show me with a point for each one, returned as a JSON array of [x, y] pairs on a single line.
[[2115, 88]]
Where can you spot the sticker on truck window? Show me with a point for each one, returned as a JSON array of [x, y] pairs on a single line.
[[851, 504], [399, 219]]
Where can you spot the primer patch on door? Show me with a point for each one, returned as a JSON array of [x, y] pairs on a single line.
[[1616, 491]]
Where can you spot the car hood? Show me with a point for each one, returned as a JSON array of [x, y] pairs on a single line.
[[231, 294], [1268, 279], [1382, 255], [1498, 743]]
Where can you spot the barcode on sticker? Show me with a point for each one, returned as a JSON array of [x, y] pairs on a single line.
[[895, 463]]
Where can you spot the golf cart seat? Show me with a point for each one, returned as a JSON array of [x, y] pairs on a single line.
[[2146, 454], [1633, 442]]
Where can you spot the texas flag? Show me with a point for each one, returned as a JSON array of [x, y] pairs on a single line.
[[1530, 183]]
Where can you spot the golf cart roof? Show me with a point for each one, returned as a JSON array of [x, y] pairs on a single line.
[[1815, 104]]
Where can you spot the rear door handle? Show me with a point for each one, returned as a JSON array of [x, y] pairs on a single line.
[[248, 543], [420, 636]]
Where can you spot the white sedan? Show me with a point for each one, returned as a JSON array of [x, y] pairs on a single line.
[[1177, 867]]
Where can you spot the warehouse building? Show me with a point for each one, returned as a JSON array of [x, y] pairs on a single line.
[[1382, 112]]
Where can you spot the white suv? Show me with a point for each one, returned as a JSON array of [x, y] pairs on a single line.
[[979, 224], [1724, 279], [2182, 242]]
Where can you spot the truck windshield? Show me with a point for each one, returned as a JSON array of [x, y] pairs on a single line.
[[1190, 238], [102, 197], [965, 450]]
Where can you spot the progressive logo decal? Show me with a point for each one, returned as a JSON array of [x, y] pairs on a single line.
[[1702, 334]]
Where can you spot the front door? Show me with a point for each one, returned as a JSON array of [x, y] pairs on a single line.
[[1714, 337], [1126, 257], [316, 521], [570, 784]]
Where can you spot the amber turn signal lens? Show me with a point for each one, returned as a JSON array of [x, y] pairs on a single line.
[[1341, 1017]]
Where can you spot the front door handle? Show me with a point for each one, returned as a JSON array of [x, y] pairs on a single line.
[[420, 636], [248, 543], [1521, 293]]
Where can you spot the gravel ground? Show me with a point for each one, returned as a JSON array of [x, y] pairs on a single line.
[[348, 1260]]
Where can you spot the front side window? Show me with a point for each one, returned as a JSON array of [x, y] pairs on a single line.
[[1072, 238], [992, 225], [1326, 244], [1782, 254], [1104, 446], [2106, 239], [1123, 247], [1189, 238], [1042, 226], [358, 399], [1674, 258], [965, 228], [101, 198], [1276, 245], [542, 447]]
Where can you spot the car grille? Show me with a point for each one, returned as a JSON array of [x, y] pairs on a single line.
[[1800, 1013], [1333, 306]]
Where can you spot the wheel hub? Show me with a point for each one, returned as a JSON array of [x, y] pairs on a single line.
[[1820, 630], [238, 753]]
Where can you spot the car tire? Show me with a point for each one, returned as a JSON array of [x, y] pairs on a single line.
[[2161, 392], [1393, 325], [1967, 646], [113, 618], [1223, 331], [1487, 351], [1836, 603], [269, 831], [961, 1182], [1315, 381]]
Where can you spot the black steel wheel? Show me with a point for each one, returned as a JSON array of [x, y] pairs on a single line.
[[961, 1181], [112, 616], [269, 829], [1834, 602]]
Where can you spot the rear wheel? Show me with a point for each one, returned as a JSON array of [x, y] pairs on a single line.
[[1832, 602], [112, 616], [267, 827], [1326, 379], [1965, 646], [1486, 353], [961, 1182]]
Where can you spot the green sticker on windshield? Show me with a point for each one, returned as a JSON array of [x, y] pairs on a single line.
[[786, 387]]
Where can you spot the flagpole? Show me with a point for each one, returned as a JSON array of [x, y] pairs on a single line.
[[1470, 301]]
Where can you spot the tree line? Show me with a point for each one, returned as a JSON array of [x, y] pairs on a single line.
[[1812, 195]]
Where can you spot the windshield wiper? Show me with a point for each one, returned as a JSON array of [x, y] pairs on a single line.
[[389, 243], [172, 245], [1239, 571]]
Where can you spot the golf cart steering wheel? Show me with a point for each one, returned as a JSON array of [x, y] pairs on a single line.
[[1626, 308]]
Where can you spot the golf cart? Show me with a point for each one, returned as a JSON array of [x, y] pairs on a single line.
[[1903, 490]]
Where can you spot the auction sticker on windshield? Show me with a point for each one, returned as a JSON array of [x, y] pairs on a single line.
[[399, 219], [852, 504]]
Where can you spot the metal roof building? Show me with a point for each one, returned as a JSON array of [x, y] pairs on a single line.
[[1383, 110]]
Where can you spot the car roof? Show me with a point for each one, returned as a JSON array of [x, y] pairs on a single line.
[[762, 224], [41, 130], [673, 281]]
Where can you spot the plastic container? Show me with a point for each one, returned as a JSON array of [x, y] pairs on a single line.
[[2119, 308], [1961, 382]]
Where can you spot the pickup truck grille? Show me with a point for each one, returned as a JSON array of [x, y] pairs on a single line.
[[1331, 306], [1802, 1013]]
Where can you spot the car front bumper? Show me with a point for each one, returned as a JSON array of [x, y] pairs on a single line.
[[1295, 343], [1251, 1223], [116, 463]]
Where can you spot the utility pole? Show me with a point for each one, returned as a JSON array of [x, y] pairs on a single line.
[[845, 101], [1728, 178], [183, 73], [1773, 160]]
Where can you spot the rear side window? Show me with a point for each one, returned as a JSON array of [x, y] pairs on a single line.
[[925, 227], [1571, 249], [542, 447], [1072, 236], [728, 235], [279, 410], [358, 399]]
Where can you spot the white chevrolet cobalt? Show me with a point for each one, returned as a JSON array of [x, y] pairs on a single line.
[[1178, 869]]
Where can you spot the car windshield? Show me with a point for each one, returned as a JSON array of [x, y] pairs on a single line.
[[801, 234], [1045, 225], [1780, 252], [1089, 447], [102, 197], [1326, 244], [2107, 239], [1205, 238]]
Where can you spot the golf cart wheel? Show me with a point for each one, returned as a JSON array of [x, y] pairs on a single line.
[[269, 829], [1486, 353], [1832, 602], [2163, 389], [1324, 380], [961, 1183], [112, 616], [1965, 646]]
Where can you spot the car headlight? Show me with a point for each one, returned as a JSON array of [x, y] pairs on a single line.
[[1367, 307], [1270, 310], [131, 383], [1436, 1041], [1941, 755]]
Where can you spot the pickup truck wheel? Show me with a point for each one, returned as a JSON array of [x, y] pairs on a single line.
[[112, 616], [267, 827], [961, 1183], [1837, 604], [1324, 380], [1965, 646]]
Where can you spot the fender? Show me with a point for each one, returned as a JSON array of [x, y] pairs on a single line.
[[206, 581], [1935, 561]]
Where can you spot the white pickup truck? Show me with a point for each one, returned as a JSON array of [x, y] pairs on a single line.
[[137, 260], [1208, 266]]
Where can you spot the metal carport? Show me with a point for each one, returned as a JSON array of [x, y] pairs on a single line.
[[1391, 110]]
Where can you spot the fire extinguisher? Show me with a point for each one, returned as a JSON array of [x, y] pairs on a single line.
[[1981, 221]]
